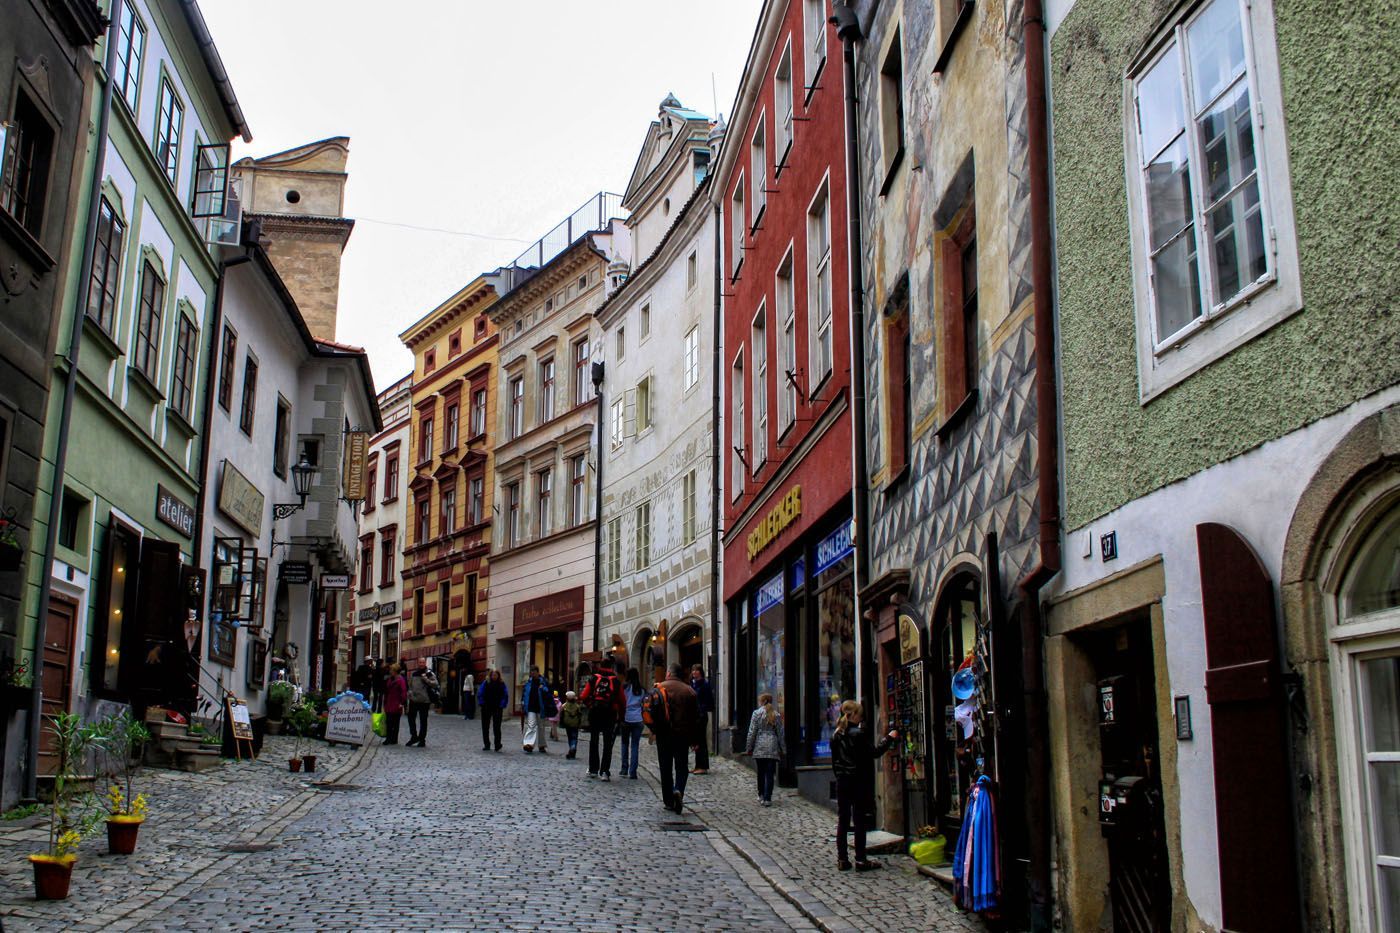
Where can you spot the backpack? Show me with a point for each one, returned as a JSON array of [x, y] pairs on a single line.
[[604, 685], [656, 711]]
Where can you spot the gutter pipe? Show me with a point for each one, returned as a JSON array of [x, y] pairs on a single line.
[[598, 372], [715, 367]]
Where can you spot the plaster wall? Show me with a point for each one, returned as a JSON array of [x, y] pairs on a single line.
[[390, 509]]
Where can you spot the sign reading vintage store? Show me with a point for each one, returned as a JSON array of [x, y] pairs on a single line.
[[173, 512], [775, 522]]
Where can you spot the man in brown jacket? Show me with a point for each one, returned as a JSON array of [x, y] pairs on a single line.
[[675, 738]]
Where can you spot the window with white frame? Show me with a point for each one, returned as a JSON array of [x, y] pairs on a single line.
[[692, 356], [478, 415], [512, 514], [688, 507], [644, 404], [544, 503], [759, 349], [786, 309], [578, 490], [517, 406], [476, 494], [170, 120], [642, 555], [782, 110], [621, 343], [692, 270], [644, 330], [450, 416], [583, 379], [737, 389], [738, 223], [814, 16], [546, 406], [131, 50], [819, 287], [616, 423], [1214, 254], [758, 170], [614, 565], [447, 515]]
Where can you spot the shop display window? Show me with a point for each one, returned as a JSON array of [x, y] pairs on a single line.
[[836, 649]]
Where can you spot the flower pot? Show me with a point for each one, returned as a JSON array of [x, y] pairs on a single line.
[[121, 836], [294, 764], [309, 762], [274, 726], [51, 876]]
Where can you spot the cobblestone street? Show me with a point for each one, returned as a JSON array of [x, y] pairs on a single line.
[[449, 837]]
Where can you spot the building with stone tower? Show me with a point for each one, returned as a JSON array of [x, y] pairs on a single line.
[[298, 198]]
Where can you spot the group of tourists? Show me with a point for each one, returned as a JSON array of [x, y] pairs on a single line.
[[394, 693]]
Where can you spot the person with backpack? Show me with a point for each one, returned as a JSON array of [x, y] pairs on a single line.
[[537, 700], [766, 746], [632, 723], [673, 713], [423, 693], [602, 695], [571, 718], [492, 697], [852, 758]]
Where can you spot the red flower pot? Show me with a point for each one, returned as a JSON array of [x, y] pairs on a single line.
[[309, 762], [294, 764], [121, 836], [51, 877]]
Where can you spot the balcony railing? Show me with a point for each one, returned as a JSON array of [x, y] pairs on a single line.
[[592, 216]]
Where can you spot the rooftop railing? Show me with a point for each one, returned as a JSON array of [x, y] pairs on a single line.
[[592, 216]]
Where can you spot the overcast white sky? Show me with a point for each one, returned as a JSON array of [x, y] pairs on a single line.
[[481, 117]]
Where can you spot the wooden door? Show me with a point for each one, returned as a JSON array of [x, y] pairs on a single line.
[[1253, 805], [57, 673]]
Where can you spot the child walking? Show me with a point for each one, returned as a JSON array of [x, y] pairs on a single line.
[[571, 718], [766, 745], [851, 757]]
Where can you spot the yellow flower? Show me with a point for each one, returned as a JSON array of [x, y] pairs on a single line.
[[67, 844]]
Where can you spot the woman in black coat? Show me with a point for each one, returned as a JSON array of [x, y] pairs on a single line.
[[852, 756]]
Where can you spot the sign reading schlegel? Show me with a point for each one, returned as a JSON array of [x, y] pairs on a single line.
[[776, 521]]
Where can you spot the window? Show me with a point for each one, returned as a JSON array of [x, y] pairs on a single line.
[[958, 325], [701, 164], [106, 268], [451, 416], [469, 601], [366, 563], [517, 406], [644, 405], [391, 474], [544, 488], [386, 557], [422, 530], [226, 357], [642, 556], [759, 345], [210, 180], [782, 110], [645, 322], [616, 430], [583, 379], [898, 354], [688, 508], [737, 389], [621, 343], [692, 356], [131, 48], [758, 171], [371, 484], [311, 449], [582, 282], [448, 512], [145, 350], [169, 123], [786, 308], [578, 490], [430, 361], [819, 286], [24, 164], [814, 27], [444, 604], [480, 327], [425, 439], [476, 494], [892, 108], [1212, 211], [692, 270], [454, 344], [546, 390], [419, 597], [478, 414], [737, 221], [614, 565], [182, 374], [969, 310], [512, 514], [73, 521]]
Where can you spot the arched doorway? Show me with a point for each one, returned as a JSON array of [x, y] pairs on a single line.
[[961, 649], [688, 645], [644, 656]]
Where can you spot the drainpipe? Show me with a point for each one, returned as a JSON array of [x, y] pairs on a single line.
[[715, 360], [599, 370], [65, 422], [1047, 453]]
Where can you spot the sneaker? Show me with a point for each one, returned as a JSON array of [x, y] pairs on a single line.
[[843, 864], [607, 776], [592, 776]]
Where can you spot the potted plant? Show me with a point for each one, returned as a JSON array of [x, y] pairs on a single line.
[[302, 721], [17, 681], [279, 699], [121, 738], [11, 551], [71, 815]]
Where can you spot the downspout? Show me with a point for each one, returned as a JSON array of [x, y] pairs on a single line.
[[599, 370], [715, 361], [65, 423], [1047, 454]]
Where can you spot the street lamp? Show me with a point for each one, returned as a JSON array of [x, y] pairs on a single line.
[[301, 482]]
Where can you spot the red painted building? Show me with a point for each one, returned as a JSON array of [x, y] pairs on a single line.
[[786, 436]]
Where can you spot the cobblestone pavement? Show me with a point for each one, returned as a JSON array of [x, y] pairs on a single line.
[[453, 838]]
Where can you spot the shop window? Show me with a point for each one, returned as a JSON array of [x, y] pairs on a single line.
[[120, 561], [833, 587], [963, 642]]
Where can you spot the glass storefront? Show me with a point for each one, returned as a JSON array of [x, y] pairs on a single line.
[[772, 637], [836, 647]]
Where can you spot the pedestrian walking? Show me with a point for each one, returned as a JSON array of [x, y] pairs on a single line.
[[537, 702], [423, 693], [766, 745], [394, 696], [492, 697], [705, 700], [602, 695], [377, 684], [557, 688], [362, 680], [632, 723], [468, 696], [852, 755], [675, 730], [571, 718]]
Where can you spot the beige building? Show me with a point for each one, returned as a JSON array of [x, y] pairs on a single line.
[[298, 199]]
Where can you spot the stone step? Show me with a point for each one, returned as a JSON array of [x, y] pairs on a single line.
[[197, 759]]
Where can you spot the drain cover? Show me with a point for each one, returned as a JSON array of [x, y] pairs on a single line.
[[680, 826], [250, 847], [327, 785]]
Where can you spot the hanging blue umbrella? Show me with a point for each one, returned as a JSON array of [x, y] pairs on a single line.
[[977, 859]]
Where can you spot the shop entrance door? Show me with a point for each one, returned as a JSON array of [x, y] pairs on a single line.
[[57, 674], [1130, 789]]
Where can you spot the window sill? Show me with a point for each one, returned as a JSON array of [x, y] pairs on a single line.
[[738, 267], [813, 83], [895, 162], [389, 501], [181, 422], [27, 243], [447, 452], [965, 9], [821, 384], [782, 162], [960, 414], [103, 339], [896, 479], [757, 224], [143, 381]]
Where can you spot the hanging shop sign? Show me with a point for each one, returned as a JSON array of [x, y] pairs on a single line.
[[294, 571], [240, 500], [173, 512], [352, 480], [776, 521], [335, 581], [835, 547], [770, 594]]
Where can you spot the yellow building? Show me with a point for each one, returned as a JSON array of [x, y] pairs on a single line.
[[448, 482]]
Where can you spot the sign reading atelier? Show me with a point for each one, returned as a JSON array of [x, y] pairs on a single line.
[[352, 480], [173, 512], [547, 612], [240, 500], [775, 522]]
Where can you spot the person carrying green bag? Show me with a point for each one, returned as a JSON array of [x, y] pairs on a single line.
[[376, 724]]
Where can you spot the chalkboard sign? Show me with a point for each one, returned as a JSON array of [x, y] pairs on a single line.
[[347, 719], [238, 719]]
